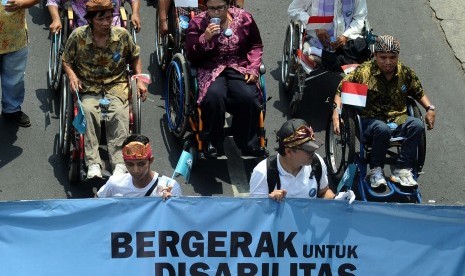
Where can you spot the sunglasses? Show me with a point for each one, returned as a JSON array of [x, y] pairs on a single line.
[[217, 8]]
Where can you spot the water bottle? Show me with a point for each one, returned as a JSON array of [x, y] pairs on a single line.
[[183, 22], [104, 104]]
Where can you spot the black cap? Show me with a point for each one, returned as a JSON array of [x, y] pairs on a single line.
[[296, 133]]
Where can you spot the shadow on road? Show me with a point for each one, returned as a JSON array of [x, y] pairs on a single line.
[[8, 151]]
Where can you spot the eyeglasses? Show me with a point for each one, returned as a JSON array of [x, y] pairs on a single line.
[[218, 8]]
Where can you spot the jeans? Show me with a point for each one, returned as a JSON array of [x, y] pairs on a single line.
[[12, 71], [378, 133]]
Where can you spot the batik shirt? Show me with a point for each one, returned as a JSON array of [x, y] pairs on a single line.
[[101, 69], [79, 9], [386, 100], [242, 51], [13, 30]]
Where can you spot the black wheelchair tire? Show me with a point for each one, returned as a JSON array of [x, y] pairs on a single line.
[[66, 117], [287, 61], [159, 42], [135, 109], [346, 141], [421, 153], [177, 95]]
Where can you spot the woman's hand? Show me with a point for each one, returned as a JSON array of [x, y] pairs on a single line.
[[340, 41], [250, 78], [278, 195], [211, 30], [141, 90]]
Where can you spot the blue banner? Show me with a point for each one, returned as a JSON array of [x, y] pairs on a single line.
[[229, 236]]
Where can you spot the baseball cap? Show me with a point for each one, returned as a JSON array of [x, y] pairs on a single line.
[[296, 133]]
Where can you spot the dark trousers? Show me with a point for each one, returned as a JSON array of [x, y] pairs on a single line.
[[229, 92], [379, 133], [354, 51]]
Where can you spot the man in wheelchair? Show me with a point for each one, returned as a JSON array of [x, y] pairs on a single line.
[[342, 43], [390, 83], [95, 60], [228, 56], [79, 9]]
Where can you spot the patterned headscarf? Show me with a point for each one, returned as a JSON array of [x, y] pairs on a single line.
[[387, 44]]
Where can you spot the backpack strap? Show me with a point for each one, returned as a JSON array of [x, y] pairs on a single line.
[[317, 171], [149, 191], [272, 174]]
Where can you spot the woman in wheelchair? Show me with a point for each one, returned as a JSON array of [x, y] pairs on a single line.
[[228, 56], [341, 44], [95, 60], [390, 83], [79, 9]]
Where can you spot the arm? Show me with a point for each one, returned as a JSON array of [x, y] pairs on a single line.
[[135, 17], [14, 5], [416, 91], [74, 82], [254, 56], [430, 116], [358, 20], [52, 6], [163, 6], [68, 57], [137, 69]]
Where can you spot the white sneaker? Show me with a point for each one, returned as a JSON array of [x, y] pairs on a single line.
[[404, 177], [376, 177], [120, 169], [94, 171]]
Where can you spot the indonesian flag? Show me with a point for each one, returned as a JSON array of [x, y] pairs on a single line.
[[307, 64], [348, 68], [320, 22], [143, 77], [354, 93]]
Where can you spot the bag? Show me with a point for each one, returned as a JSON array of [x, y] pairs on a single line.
[[80, 122]]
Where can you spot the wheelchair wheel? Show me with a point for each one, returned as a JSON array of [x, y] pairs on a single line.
[[160, 42], [135, 109], [288, 62], [54, 62], [177, 95], [66, 117], [340, 149]]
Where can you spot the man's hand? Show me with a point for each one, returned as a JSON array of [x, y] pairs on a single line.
[[165, 192], [348, 195], [74, 84], [278, 195], [340, 41], [163, 26], [336, 127], [142, 90], [430, 118], [250, 78], [323, 36], [135, 18], [13, 5], [55, 26]]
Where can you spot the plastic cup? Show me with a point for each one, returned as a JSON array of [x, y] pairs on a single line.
[[214, 20], [4, 2]]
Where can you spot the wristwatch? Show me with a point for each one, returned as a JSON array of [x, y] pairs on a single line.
[[430, 107]]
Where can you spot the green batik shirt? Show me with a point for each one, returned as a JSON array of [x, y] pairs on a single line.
[[386, 100], [101, 69]]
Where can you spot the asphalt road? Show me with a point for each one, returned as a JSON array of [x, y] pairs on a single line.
[[31, 168]]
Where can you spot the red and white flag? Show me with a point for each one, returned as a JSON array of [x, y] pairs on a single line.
[[320, 22], [354, 93], [348, 68]]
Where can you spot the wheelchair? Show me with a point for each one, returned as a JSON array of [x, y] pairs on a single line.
[[291, 67], [71, 142], [171, 43], [58, 42], [350, 147]]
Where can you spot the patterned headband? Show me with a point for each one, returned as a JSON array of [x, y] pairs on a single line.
[[301, 135], [137, 150], [388, 44]]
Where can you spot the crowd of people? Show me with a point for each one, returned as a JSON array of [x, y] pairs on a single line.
[[227, 54]]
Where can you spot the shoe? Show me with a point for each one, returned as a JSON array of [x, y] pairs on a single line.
[[404, 177], [20, 118], [94, 171], [120, 169], [376, 177], [210, 150]]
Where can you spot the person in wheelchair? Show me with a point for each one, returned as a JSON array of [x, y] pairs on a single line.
[[140, 179], [79, 9], [390, 83], [344, 42], [228, 57], [163, 6], [297, 170], [95, 60]]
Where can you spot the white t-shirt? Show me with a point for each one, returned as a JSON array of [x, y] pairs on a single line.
[[121, 185], [300, 186]]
